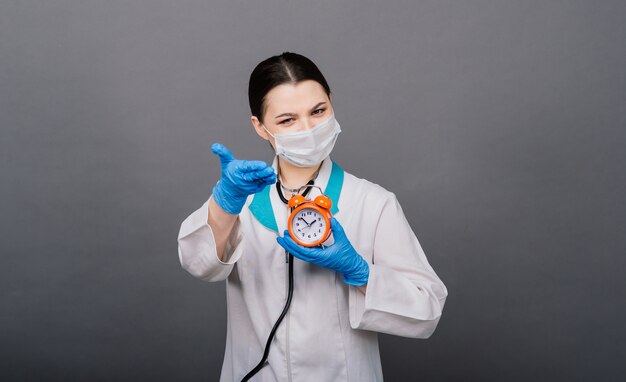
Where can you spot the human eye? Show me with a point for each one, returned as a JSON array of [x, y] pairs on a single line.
[[283, 122], [321, 110]]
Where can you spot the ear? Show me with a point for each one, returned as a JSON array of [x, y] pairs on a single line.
[[259, 129]]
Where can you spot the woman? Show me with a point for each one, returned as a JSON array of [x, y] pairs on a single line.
[[373, 278]]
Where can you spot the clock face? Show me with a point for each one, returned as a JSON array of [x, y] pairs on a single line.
[[308, 225]]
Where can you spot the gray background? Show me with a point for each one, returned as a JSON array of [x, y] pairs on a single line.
[[498, 124]]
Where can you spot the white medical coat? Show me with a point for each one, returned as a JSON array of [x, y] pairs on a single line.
[[330, 332]]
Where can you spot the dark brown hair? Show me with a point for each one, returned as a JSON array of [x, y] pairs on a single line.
[[287, 67]]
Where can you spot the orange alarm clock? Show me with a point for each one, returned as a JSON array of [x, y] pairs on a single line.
[[309, 221]]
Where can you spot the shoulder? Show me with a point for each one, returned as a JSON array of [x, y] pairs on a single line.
[[362, 190]]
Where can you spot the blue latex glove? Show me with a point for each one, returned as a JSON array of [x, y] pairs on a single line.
[[240, 178], [339, 256]]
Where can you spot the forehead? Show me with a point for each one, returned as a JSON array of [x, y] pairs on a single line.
[[294, 98]]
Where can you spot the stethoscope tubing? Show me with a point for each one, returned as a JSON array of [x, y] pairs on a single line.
[[266, 352]]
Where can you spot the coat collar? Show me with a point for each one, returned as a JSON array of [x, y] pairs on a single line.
[[329, 179]]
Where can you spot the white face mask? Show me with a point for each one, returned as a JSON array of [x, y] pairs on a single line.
[[310, 147]]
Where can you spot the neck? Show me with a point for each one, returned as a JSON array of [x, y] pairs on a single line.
[[293, 176]]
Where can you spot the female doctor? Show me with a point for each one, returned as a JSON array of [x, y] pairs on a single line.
[[326, 304]]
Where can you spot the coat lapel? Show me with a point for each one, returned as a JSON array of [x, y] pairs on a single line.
[[261, 208], [333, 188]]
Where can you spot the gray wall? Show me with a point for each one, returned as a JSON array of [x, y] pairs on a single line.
[[498, 124]]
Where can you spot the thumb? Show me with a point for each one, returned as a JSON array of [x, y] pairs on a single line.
[[336, 228], [223, 152]]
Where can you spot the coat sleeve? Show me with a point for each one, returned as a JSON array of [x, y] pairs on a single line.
[[404, 295], [197, 250]]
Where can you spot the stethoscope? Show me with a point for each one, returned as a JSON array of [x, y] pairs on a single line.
[[279, 189]]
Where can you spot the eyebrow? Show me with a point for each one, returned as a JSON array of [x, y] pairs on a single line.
[[290, 114]]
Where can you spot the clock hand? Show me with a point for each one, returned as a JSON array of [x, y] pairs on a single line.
[[307, 223]]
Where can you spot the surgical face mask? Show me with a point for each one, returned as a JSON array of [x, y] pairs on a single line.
[[310, 147]]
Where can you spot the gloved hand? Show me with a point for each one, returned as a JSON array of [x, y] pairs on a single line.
[[240, 178], [339, 256]]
